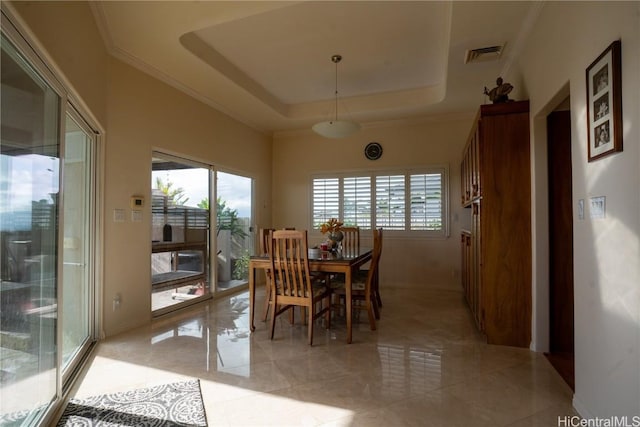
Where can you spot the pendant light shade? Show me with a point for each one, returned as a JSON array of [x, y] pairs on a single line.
[[336, 128]]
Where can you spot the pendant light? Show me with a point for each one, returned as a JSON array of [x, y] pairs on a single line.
[[336, 128]]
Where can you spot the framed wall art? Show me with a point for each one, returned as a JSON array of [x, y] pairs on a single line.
[[604, 103]]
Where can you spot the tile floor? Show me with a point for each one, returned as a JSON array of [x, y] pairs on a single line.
[[426, 365]]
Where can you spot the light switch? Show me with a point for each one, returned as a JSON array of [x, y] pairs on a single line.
[[598, 207], [136, 216], [581, 209], [118, 215]]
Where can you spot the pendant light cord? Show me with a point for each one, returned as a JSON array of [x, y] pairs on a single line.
[[336, 61]]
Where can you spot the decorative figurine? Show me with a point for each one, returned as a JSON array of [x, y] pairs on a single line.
[[500, 93]]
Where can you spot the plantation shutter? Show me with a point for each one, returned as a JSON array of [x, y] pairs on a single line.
[[357, 201], [390, 202], [326, 200], [426, 202]]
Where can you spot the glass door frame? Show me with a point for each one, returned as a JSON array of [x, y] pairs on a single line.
[[23, 41], [210, 267], [251, 226], [69, 371]]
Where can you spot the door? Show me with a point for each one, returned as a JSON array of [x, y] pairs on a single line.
[[561, 348], [180, 233], [78, 240], [29, 207], [234, 238]]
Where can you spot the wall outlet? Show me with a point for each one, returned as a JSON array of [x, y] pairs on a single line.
[[117, 299]]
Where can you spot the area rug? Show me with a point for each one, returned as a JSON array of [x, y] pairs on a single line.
[[176, 404]]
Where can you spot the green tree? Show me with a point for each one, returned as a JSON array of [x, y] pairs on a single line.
[[226, 218], [204, 204], [175, 196]]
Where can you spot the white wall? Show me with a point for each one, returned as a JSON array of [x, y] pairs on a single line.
[[436, 141], [567, 38]]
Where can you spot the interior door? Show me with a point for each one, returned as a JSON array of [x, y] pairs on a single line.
[[561, 353]]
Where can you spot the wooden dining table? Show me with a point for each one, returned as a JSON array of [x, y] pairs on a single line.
[[326, 262]]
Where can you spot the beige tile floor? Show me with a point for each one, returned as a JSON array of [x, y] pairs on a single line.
[[426, 365]]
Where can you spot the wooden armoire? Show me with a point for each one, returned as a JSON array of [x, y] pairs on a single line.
[[496, 249]]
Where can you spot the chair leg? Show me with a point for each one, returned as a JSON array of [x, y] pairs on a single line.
[[310, 311], [376, 291], [376, 309], [327, 315], [372, 317], [273, 317], [267, 298]]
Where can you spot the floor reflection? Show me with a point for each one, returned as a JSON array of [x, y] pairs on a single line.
[[426, 357]]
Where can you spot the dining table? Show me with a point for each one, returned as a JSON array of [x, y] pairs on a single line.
[[344, 262]]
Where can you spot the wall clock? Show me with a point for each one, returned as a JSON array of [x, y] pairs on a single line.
[[373, 151]]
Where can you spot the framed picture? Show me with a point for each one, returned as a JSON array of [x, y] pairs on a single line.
[[604, 103]]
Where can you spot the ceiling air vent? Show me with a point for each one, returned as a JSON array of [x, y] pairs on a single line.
[[483, 54]]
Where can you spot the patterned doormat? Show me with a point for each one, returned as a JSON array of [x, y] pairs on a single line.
[[177, 404]]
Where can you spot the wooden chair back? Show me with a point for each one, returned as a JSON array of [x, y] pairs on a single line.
[[351, 239], [264, 240], [372, 273], [375, 284], [290, 278], [291, 283], [364, 289]]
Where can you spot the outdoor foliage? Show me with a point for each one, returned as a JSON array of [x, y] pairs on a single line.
[[175, 196], [226, 218]]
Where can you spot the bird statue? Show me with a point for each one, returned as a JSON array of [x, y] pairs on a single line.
[[500, 93]]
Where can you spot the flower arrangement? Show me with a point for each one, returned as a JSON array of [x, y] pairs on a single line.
[[331, 226]]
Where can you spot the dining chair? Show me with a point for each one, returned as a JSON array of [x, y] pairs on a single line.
[[264, 248], [290, 282], [265, 244], [351, 240], [376, 283], [363, 284]]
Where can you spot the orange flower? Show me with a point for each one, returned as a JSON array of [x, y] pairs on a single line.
[[331, 226]]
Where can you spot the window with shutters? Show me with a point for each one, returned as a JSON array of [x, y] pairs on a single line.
[[326, 200], [390, 202], [412, 201], [426, 201], [356, 198]]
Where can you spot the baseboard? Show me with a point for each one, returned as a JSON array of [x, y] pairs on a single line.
[[581, 409]]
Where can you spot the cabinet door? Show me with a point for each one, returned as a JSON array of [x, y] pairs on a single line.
[[466, 262], [476, 265], [476, 190]]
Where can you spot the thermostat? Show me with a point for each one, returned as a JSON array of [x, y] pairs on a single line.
[[137, 202]]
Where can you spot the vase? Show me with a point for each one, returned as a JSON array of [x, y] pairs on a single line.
[[336, 236], [335, 239]]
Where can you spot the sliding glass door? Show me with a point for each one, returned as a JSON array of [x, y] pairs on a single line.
[[234, 236], [47, 236], [77, 254], [29, 189], [180, 232]]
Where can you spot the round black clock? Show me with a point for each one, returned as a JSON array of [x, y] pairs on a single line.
[[373, 151]]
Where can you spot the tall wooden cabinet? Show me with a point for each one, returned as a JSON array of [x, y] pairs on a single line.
[[496, 251]]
